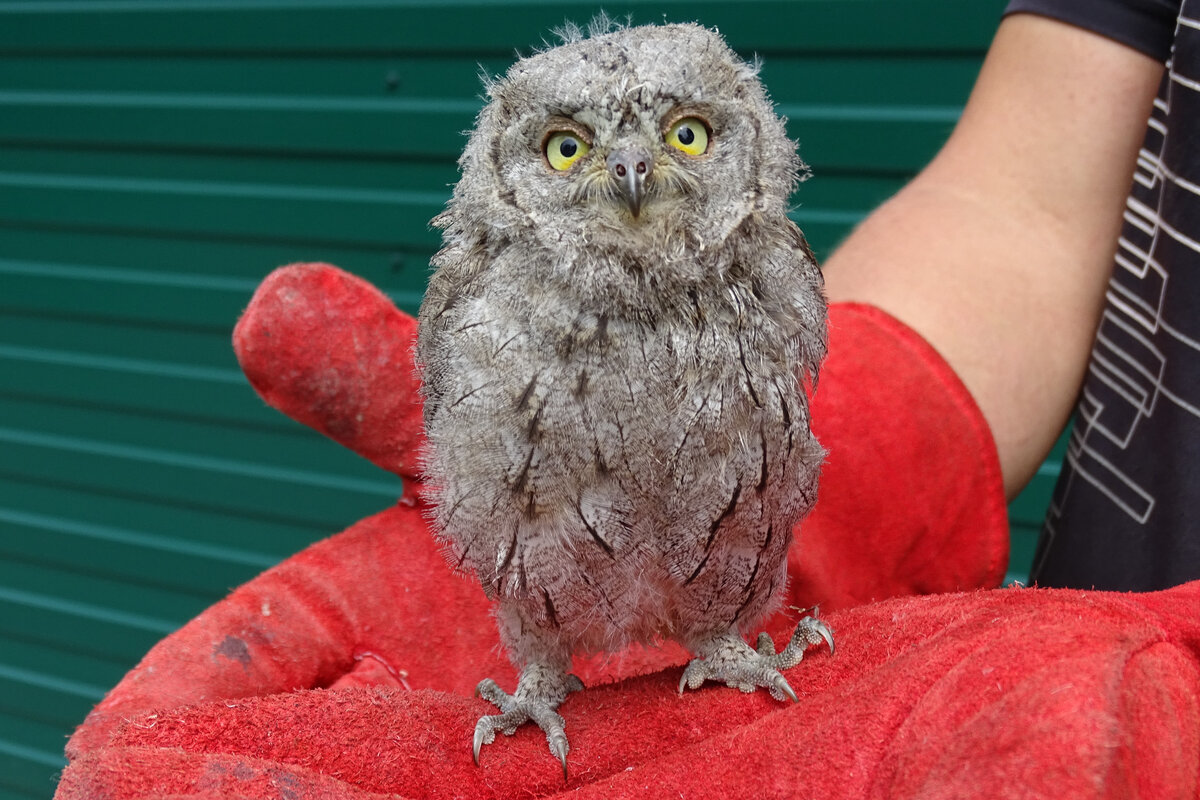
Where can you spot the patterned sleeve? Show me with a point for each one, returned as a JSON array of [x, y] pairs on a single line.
[[1145, 25]]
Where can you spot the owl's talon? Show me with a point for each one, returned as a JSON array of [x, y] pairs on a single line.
[[507, 723], [781, 686], [810, 631], [694, 674], [559, 748], [765, 645], [827, 635], [487, 689], [483, 735]]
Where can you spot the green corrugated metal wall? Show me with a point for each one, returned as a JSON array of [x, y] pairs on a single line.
[[158, 158]]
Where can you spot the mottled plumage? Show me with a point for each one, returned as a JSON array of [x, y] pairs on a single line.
[[614, 347]]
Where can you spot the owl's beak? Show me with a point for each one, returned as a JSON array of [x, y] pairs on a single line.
[[631, 167]]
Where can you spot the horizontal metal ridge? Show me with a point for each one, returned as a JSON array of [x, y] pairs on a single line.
[[182, 280], [87, 610], [159, 186], [383, 489], [138, 366], [25, 753], [164, 542], [43, 680]]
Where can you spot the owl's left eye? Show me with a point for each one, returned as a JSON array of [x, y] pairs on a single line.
[[564, 148], [690, 135]]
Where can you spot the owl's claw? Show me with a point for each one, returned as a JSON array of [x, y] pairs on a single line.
[[822, 630], [809, 631], [728, 658], [782, 687], [521, 707], [485, 729], [559, 748]]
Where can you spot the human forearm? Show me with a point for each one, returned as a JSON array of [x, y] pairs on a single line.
[[999, 252]]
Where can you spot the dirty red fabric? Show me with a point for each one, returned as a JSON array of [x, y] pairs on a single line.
[[347, 671], [330, 350], [1012, 692]]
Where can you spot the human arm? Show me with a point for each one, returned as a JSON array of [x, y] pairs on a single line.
[[998, 253]]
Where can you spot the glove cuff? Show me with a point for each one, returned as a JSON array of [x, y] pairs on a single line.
[[911, 498]]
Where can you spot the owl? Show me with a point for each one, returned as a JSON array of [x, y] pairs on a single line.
[[615, 346]]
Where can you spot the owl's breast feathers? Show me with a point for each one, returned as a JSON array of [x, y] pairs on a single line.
[[618, 475]]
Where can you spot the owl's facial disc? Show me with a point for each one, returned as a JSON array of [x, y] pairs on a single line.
[[631, 167]]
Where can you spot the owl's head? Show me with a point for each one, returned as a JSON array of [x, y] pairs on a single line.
[[654, 136]]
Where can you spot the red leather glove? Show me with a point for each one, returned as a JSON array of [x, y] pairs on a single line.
[[1015, 692], [910, 502]]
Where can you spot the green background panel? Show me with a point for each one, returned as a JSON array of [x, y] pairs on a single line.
[[158, 158]]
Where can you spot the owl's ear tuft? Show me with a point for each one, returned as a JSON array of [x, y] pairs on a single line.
[[489, 82], [753, 67], [568, 33], [571, 32], [602, 24]]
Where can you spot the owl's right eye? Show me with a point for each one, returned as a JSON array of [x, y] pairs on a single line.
[[564, 148]]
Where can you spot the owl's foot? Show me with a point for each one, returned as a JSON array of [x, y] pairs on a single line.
[[728, 658], [540, 691]]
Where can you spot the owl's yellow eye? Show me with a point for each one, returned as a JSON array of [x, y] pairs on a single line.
[[690, 135], [564, 148]]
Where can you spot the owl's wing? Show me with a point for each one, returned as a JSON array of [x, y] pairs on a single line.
[[792, 289], [451, 284]]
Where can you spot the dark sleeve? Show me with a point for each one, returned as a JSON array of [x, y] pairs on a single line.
[[1145, 25]]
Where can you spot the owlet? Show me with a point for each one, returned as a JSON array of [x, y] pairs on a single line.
[[615, 345]]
